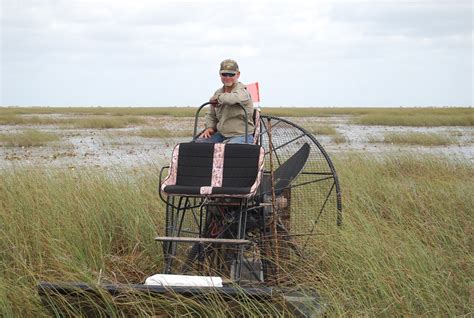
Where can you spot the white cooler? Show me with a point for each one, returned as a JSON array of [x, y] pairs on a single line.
[[184, 280]]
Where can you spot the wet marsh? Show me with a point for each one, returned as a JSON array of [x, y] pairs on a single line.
[[85, 208]]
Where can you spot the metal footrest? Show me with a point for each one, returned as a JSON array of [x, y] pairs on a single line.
[[201, 240]]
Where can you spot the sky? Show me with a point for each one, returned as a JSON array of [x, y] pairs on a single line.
[[312, 53]]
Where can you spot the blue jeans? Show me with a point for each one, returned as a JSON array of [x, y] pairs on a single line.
[[218, 137]]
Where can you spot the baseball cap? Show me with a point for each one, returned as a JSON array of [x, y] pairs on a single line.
[[229, 66]]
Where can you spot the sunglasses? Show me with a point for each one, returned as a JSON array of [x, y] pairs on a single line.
[[227, 74]]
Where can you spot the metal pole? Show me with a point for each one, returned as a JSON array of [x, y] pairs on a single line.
[[275, 212]]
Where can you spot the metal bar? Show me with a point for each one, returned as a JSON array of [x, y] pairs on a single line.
[[200, 240], [289, 142], [241, 235], [318, 173], [274, 125], [301, 184], [312, 181], [274, 210]]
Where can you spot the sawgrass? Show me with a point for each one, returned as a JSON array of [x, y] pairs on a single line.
[[405, 247], [418, 119], [163, 133], [104, 122], [13, 119], [339, 138], [406, 244], [408, 116], [91, 121], [321, 129], [28, 138], [105, 111], [416, 138]]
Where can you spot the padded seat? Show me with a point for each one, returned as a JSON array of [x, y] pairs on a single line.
[[214, 170]]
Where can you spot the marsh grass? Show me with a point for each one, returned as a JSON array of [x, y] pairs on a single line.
[[417, 119], [406, 244], [417, 138], [11, 119], [322, 129], [28, 138], [433, 115], [405, 247], [81, 121], [339, 138], [104, 111], [104, 122], [163, 133]]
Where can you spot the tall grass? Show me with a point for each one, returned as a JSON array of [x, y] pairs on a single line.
[[92, 121], [16, 119], [339, 138], [106, 111], [417, 138], [321, 129], [163, 133], [417, 119], [28, 138], [103, 122], [405, 247], [11, 119]]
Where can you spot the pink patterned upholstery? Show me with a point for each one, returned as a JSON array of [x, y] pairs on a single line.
[[215, 170]]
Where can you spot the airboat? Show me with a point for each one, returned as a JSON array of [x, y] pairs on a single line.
[[236, 216]]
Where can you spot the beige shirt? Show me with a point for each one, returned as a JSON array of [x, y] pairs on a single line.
[[228, 117]]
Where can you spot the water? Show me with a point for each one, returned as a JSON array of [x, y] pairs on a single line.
[[113, 147]]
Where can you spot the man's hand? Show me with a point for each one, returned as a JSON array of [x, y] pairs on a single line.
[[208, 132], [214, 101]]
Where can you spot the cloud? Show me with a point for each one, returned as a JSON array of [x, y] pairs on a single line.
[[101, 44], [425, 19]]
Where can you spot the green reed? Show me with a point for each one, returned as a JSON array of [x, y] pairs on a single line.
[[405, 247]]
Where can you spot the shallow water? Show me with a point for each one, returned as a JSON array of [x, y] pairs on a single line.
[[113, 147]]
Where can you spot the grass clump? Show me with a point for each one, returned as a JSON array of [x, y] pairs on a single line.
[[339, 138], [11, 119], [326, 130], [105, 122], [163, 133], [28, 138], [104, 111], [416, 138], [420, 119]]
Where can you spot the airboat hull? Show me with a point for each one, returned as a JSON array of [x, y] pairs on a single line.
[[74, 288], [301, 304]]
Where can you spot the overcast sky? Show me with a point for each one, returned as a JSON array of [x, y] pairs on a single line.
[[302, 53]]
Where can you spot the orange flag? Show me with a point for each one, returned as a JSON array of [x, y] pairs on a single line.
[[253, 90]]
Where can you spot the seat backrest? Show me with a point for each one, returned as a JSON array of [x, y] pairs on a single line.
[[215, 169]]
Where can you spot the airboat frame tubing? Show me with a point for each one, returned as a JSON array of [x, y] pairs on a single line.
[[176, 217], [196, 118], [274, 210], [316, 142]]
